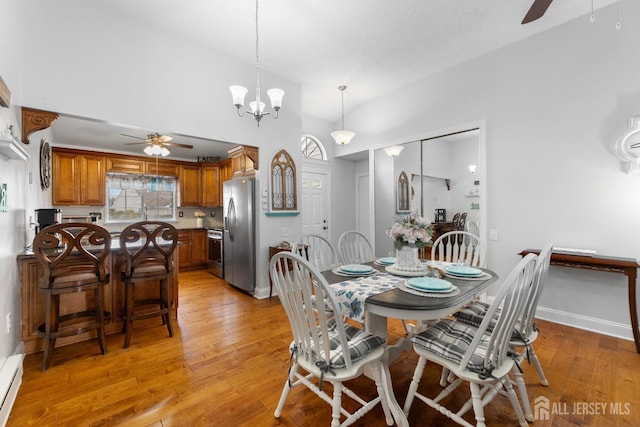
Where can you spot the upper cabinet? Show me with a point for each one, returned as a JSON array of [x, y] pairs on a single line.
[[190, 185], [78, 178], [244, 160], [211, 185]]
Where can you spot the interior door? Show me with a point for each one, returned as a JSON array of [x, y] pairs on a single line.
[[314, 197]]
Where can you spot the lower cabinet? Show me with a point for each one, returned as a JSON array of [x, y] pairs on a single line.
[[192, 249]]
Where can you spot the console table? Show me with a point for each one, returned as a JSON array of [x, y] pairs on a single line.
[[626, 266]]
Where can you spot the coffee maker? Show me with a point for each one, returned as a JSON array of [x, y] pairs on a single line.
[[47, 217]]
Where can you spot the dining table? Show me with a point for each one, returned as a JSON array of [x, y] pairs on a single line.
[[371, 299]]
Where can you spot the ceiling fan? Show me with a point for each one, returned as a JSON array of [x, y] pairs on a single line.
[[157, 144], [537, 9]]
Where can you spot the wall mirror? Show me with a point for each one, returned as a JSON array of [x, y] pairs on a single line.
[[444, 172]]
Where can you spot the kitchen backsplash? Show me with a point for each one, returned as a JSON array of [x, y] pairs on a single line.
[[212, 219]]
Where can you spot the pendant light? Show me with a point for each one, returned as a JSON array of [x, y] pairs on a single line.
[[342, 137], [257, 106]]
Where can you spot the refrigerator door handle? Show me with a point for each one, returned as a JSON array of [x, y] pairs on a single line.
[[231, 218]]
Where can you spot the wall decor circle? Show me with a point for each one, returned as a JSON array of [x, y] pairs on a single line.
[[45, 164]]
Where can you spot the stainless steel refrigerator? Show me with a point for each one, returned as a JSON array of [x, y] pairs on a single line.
[[239, 233]]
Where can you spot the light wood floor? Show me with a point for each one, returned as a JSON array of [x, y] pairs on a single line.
[[228, 361]]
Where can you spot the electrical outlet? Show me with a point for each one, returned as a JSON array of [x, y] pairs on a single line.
[[493, 234], [180, 214], [8, 323]]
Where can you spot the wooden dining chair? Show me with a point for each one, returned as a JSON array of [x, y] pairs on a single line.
[[477, 355], [318, 250], [147, 249], [74, 259], [459, 246], [354, 248], [525, 331], [325, 349]]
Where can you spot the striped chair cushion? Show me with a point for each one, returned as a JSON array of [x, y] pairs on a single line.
[[450, 340], [474, 313], [360, 343]]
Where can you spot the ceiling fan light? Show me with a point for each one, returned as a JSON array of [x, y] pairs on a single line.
[[148, 150], [238, 93], [342, 137], [275, 95], [164, 151]]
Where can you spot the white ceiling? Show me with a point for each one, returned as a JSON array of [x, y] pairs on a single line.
[[372, 46]]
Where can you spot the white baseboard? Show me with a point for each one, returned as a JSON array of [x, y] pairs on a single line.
[[10, 381], [593, 324], [601, 326]]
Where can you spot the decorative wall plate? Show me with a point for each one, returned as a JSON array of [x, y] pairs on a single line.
[[627, 145], [45, 164]]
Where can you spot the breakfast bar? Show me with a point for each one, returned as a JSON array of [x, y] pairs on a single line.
[[34, 302]]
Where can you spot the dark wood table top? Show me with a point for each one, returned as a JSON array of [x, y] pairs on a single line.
[[398, 299]]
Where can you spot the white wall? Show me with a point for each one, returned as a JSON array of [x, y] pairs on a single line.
[[86, 60], [14, 173], [553, 105]]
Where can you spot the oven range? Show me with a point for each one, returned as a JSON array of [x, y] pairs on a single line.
[[215, 252]]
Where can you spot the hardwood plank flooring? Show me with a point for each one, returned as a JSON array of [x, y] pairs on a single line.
[[228, 359]]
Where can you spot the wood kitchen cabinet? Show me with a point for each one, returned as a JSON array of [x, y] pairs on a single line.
[[78, 178], [192, 249], [244, 160], [211, 195], [162, 168], [126, 165], [190, 185]]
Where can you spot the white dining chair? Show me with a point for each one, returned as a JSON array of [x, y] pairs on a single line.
[[324, 346], [318, 250], [525, 331], [477, 355], [459, 246], [354, 248]]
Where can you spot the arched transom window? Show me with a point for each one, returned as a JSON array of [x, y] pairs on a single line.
[[283, 183], [312, 148]]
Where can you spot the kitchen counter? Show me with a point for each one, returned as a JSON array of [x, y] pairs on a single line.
[[34, 302]]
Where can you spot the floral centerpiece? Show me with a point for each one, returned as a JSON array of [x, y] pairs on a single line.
[[409, 233], [199, 218]]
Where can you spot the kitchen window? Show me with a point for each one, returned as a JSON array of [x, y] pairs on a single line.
[[133, 197]]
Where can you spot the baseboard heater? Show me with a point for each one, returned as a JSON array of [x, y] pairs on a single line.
[[10, 380]]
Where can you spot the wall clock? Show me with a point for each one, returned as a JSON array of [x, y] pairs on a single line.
[[45, 164]]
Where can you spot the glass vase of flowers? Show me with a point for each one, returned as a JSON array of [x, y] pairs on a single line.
[[410, 233], [199, 218]]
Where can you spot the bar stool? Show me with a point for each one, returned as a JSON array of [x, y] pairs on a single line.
[[73, 256], [147, 248]]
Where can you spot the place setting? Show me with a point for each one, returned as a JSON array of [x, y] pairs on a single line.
[[429, 286], [464, 272], [354, 270]]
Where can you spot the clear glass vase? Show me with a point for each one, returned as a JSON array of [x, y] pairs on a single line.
[[407, 258]]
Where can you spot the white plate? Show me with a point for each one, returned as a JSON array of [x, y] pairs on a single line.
[[391, 269], [356, 269]]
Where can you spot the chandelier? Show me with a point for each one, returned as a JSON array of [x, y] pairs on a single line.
[[342, 137], [257, 106]]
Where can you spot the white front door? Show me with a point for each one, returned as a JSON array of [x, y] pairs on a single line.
[[314, 197]]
